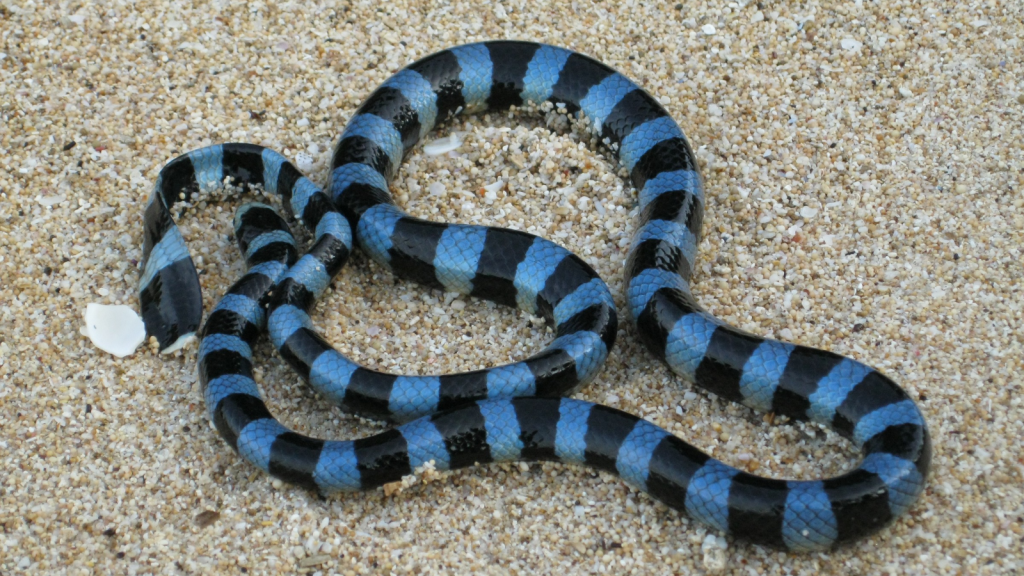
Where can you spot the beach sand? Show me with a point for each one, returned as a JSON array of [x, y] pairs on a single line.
[[864, 168]]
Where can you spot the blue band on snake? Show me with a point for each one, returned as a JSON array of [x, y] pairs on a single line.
[[516, 412]]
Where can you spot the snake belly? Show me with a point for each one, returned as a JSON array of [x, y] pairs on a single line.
[[513, 412]]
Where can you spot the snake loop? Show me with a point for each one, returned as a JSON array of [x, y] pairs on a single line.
[[514, 412]]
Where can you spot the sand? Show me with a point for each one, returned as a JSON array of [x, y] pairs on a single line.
[[865, 180]]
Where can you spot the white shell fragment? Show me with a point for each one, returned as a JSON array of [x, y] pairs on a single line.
[[850, 44], [49, 201], [491, 191], [436, 189], [494, 187], [115, 329], [443, 145]]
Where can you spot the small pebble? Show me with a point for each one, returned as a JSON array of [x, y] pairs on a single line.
[[317, 560], [714, 549], [304, 162]]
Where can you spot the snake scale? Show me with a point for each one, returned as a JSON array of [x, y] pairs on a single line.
[[516, 411]]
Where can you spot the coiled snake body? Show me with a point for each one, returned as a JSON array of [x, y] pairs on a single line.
[[515, 412]]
